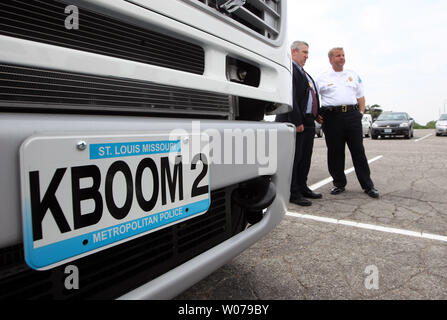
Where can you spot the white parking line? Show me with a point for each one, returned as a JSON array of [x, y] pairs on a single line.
[[367, 226], [328, 180], [424, 137]]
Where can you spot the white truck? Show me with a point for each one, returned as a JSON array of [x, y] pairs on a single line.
[[134, 156]]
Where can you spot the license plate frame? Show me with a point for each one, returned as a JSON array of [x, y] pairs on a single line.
[[74, 177]]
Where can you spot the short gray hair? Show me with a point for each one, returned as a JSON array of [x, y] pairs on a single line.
[[331, 52], [296, 45]]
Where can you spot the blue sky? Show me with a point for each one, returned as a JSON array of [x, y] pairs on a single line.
[[398, 47]]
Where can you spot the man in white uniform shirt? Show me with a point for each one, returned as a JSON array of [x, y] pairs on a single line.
[[342, 108]]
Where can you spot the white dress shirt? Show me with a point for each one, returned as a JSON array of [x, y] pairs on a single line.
[[339, 88]]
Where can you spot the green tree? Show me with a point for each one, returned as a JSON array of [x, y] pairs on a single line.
[[431, 124], [418, 126], [375, 110]]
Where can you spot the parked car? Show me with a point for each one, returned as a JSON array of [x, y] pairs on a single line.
[[318, 130], [441, 125], [393, 124], [366, 124]]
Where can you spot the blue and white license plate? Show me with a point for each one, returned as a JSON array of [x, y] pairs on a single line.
[[83, 194], [388, 130]]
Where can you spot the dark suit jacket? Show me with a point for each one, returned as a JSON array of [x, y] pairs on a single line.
[[301, 91]]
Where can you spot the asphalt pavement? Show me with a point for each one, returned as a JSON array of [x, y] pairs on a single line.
[[350, 246]]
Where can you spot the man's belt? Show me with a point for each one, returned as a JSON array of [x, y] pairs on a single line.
[[342, 108]]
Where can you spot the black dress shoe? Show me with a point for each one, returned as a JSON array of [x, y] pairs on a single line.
[[301, 201], [337, 190], [373, 193], [312, 195]]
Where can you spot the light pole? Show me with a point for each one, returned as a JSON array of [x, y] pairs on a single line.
[[445, 100]]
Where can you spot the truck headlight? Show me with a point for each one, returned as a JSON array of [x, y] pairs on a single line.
[[404, 125]]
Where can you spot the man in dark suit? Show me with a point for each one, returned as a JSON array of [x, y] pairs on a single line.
[[305, 111]]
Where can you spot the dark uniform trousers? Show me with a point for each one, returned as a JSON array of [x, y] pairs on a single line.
[[341, 128], [304, 144]]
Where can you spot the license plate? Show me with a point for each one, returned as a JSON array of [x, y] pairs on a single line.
[[83, 194], [388, 130]]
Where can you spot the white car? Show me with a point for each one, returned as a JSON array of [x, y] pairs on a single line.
[[366, 124], [441, 125], [318, 130]]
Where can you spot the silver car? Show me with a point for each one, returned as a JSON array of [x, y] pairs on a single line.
[[441, 125], [366, 124], [318, 130]]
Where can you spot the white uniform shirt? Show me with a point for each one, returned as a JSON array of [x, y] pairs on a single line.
[[339, 88]]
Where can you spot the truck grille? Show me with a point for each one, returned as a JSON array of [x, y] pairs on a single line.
[[115, 271], [260, 16], [44, 21], [43, 89]]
